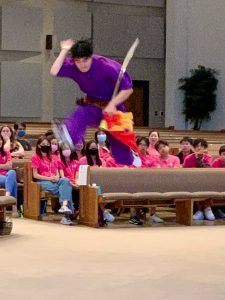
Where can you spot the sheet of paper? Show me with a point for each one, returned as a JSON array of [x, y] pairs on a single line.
[[82, 175]]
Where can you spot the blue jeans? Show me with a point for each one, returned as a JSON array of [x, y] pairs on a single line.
[[62, 188], [9, 182]]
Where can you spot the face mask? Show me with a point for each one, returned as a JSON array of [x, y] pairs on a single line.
[[101, 138], [93, 151], [21, 133], [66, 152], [78, 147], [45, 149], [54, 148]]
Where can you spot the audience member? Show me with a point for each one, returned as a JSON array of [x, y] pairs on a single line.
[[200, 158], [20, 133], [46, 172], [103, 144], [220, 161], [147, 162], [186, 148], [11, 145], [153, 139], [7, 175], [165, 160], [91, 157]]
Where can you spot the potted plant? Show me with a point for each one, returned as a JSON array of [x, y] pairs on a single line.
[[199, 95]]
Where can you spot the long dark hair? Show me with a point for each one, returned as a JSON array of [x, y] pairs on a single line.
[[107, 144], [13, 144], [2, 151], [82, 151], [38, 150], [89, 158], [73, 155]]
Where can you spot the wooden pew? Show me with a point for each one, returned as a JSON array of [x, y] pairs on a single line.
[[146, 187], [33, 194]]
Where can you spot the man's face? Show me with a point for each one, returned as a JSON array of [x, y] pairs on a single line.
[[222, 157], [163, 149], [185, 146], [83, 63]]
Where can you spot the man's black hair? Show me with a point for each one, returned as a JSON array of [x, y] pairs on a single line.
[[202, 142], [82, 48]]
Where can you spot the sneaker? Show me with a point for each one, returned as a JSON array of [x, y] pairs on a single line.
[[209, 214], [62, 134], [155, 219], [65, 210], [66, 221], [15, 214], [135, 221], [108, 217], [198, 216], [219, 214]]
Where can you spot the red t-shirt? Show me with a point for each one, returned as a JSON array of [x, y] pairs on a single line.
[[217, 163], [190, 161]]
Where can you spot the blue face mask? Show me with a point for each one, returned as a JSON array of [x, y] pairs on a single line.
[[21, 133], [101, 138]]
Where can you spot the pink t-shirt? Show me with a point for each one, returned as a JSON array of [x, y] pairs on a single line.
[[103, 152], [83, 161], [190, 161], [111, 163], [153, 152], [217, 163], [70, 170], [44, 166], [3, 161], [171, 162], [148, 161]]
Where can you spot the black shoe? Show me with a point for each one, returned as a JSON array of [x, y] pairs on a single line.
[[135, 221], [219, 214]]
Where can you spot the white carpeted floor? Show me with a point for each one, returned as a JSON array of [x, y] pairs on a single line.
[[50, 261]]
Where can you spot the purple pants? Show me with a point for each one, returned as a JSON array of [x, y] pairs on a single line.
[[90, 116]]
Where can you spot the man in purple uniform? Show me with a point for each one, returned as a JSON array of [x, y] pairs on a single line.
[[96, 76]]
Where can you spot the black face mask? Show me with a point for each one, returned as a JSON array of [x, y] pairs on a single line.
[[93, 151], [45, 149]]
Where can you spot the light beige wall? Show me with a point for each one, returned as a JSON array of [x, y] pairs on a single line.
[[195, 36], [122, 21]]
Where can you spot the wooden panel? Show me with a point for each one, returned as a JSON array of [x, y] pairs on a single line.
[[184, 211], [135, 104], [89, 206]]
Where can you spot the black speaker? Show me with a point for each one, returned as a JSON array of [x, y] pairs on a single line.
[[48, 42]]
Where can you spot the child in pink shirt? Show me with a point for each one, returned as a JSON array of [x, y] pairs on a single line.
[[165, 160], [103, 144], [46, 172], [220, 161], [7, 175], [148, 161], [69, 167], [186, 148], [91, 157], [200, 159], [153, 138], [79, 149]]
